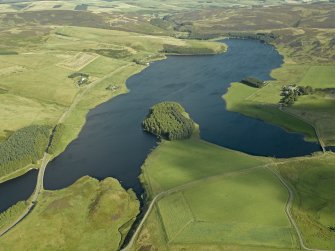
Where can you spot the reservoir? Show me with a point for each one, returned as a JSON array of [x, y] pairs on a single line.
[[17, 189], [112, 142]]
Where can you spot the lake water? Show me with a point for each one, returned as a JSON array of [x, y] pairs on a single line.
[[112, 142], [17, 189]]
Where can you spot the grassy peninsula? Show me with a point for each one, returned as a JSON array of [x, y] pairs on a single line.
[[88, 215]]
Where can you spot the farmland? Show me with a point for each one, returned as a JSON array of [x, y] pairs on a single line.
[[240, 212], [308, 112], [247, 200], [313, 207]]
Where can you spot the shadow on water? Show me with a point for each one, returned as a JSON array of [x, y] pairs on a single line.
[[112, 142]]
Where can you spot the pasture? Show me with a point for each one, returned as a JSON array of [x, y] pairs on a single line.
[[319, 111], [263, 104], [220, 197], [307, 112], [313, 181], [173, 164], [320, 77]]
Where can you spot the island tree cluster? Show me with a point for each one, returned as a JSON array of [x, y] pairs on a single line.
[[167, 120], [290, 93], [23, 147], [253, 82]]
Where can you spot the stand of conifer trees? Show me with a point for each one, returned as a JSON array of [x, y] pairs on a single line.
[[166, 120], [23, 147]]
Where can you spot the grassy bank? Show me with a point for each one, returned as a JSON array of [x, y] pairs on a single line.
[[39, 90], [263, 104], [17, 173], [37, 83], [87, 215], [313, 209], [214, 198], [221, 199]]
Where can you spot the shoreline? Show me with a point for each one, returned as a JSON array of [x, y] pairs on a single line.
[[75, 131], [124, 90], [18, 173]]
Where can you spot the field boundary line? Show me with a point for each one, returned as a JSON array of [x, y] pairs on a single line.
[[181, 230], [161, 221], [288, 208], [191, 183], [61, 65], [257, 91], [193, 219], [317, 134], [178, 189]]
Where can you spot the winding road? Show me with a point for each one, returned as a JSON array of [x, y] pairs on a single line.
[[47, 157]]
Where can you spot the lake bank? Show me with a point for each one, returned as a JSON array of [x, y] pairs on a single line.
[[103, 145]]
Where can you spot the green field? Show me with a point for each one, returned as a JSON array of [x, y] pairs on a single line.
[[239, 212], [263, 104], [220, 197], [176, 163], [88, 215], [320, 77], [313, 182]]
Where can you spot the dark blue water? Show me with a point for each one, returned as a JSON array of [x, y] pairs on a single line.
[[112, 142], [17, 189]]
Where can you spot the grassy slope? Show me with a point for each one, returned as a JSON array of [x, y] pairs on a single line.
[[87, 215], [38, 90], [246, 201], [171, 165], [313, 181], [316, 109], [262, 104], [44, 101]]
